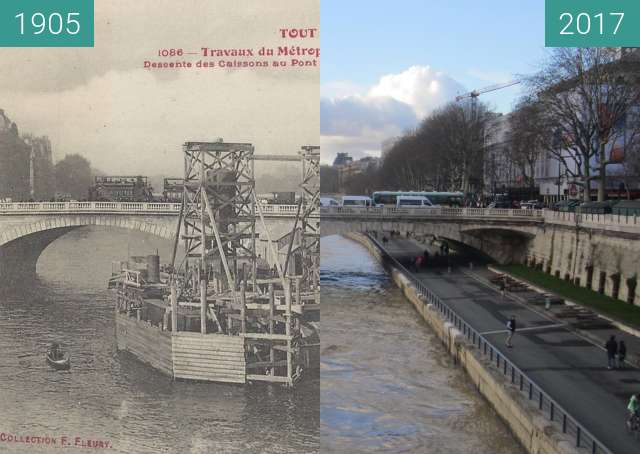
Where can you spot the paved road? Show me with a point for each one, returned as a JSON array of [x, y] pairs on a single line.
[[570, 368]]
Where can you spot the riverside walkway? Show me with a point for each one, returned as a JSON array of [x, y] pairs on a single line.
[[567, 366]]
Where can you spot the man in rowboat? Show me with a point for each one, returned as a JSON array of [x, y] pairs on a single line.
[[54, 351]]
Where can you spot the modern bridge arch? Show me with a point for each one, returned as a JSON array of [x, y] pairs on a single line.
[[504, 241]]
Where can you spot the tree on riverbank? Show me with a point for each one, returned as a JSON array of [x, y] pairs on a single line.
[[526, 137], [445, 152], [74, 176], [589, 97]]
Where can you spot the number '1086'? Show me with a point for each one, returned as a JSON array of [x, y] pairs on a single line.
[[582, 23], [54, 24]]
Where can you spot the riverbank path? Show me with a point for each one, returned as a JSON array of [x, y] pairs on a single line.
[[571, 368]]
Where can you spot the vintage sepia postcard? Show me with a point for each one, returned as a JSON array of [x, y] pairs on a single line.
[[159, 226]]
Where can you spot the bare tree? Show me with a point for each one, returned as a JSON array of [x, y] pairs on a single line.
[[586, 93], [527, 137], [459, 133], [328, 179], [445, 152], [73, 176]]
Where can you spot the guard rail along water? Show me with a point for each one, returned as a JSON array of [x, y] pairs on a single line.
[[551, 409], [119, 207]]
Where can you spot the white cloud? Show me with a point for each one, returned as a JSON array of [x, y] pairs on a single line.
[[341, 89], [421, 87], [357, 121], [355, 115]]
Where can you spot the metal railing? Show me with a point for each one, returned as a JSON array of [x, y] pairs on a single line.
[[426, 212], [118, 207], [545, 403]]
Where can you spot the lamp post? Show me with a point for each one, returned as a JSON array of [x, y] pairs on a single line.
[[559, 180]]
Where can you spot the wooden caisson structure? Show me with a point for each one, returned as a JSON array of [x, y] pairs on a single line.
[[218, 315]]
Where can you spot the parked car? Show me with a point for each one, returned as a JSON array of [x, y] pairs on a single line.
[[500, 204], [627, 208], [605, 207], [566, 205], [356, 201], [329, 202], [412, 201], [532, 205]]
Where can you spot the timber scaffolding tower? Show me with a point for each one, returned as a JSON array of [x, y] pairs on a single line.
[[219, 273]]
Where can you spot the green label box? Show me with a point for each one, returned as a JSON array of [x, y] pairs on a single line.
[[46, 23], [592, 23]]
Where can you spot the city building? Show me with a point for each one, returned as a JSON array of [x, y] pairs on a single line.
[[553, 181], [503, 174], [354, 168], [121, 189], [342, 159]]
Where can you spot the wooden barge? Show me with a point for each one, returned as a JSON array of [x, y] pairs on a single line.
[[221, 313], [146, 329]]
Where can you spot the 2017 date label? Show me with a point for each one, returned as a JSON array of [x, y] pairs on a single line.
[[592, 23]]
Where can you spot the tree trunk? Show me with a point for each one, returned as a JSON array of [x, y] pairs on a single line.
[[586, 192], [602, 175]]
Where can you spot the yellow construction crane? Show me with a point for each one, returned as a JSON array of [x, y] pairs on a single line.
[[476, 93]]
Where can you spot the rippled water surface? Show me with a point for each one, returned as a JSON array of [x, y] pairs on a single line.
[[387, 384], [111, 396]]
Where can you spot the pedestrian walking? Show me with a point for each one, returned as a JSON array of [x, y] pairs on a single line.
[[612, 351], [622, 353], [418, 263], [511, 326], [502, 287]]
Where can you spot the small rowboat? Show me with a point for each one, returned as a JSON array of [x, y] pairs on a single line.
[[60, 362]]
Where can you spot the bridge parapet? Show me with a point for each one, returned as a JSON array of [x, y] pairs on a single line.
[[429, 213], [21, 208], [613, 222], [609, 222]]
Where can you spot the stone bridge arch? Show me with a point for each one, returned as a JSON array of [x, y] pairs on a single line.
[[22, 240]]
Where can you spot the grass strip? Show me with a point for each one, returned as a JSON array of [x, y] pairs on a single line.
[[626, 313]]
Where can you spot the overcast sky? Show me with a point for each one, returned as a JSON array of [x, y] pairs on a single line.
[[102, 104], [388, 64]]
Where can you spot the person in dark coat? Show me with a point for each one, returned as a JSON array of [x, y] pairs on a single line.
[[511, 326], [612, 351], [502, 286], [622, 353]]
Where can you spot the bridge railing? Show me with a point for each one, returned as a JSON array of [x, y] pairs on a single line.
[[118, 207], [430, 212], [592, 218], [553, 411]]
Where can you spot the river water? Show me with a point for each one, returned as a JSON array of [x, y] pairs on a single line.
[[387, 384], [110, 396]]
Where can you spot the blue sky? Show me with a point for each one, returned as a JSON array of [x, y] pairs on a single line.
[[464, 44]]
